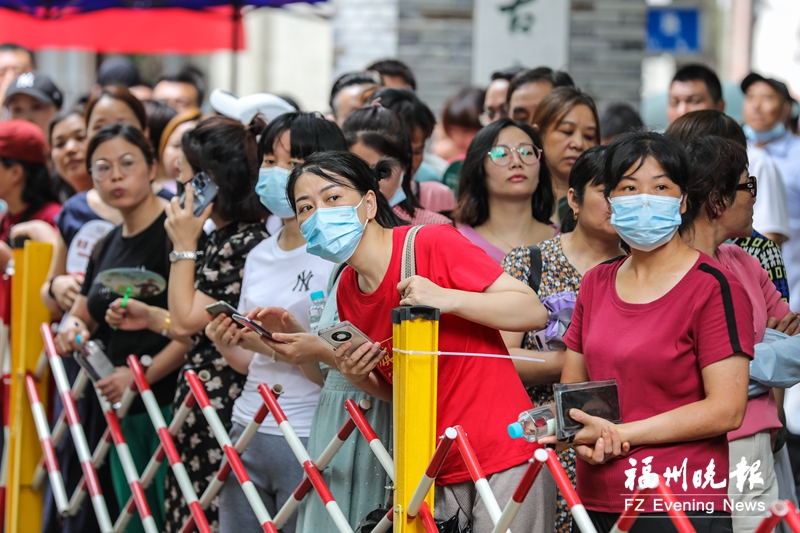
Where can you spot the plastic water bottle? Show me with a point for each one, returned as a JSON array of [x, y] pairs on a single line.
[[315, 311], [534, 424]]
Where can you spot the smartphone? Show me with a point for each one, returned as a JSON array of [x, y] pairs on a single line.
[[342, 332], [94, 361], [205, 190], [246, 322], [221, 308]]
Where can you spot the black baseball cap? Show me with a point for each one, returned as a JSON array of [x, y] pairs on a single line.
[[778, 86], [36, 85], [118, 71]]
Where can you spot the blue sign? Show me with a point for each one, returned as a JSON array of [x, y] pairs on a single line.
[[673, 30]]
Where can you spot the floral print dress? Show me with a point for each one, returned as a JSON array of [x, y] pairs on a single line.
[[218, 274], [558, 275]]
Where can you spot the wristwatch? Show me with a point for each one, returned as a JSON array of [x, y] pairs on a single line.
[[179, 256]]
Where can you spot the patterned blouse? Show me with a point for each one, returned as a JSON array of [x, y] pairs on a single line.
[[219, 275], [769, 253], [558, 275]]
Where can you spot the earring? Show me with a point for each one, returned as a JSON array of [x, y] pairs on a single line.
[[575, 216]]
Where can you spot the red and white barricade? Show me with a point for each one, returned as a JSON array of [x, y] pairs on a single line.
[[88, 461], [502, 519], [313, 478], [167, 450], [779, 510]]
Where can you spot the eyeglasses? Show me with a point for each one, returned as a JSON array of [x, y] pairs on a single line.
[[490, 115], [501, 154], [102, 170], [750, 185]]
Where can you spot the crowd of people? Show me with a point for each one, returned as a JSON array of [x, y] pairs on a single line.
[[676, 253]]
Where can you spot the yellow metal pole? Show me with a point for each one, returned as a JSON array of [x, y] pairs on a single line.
[[416, 329], [24, 506]]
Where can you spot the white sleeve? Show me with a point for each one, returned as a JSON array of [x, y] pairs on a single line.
[[244, 303], [770, 214]]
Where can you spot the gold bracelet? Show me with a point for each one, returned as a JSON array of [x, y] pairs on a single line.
[[165, 327]]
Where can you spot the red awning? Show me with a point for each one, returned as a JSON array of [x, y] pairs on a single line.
[[127, 31]]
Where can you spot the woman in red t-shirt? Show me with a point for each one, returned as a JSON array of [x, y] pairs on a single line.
[[344, 218], [676, 331]]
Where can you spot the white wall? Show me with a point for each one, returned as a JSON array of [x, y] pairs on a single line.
[[289, 52], [364, 31], [776, 41]]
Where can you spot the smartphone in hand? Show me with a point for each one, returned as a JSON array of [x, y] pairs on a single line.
[[205, 190], [221, 308], [343, 332], [246, 322]]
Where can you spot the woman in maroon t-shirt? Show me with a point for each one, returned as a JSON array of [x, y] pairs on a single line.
[[676, 330], [344, 218]]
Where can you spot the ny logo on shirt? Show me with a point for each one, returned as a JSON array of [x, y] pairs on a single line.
[[303, 279]]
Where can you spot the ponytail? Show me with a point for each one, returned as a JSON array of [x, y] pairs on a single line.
[[228, 152]]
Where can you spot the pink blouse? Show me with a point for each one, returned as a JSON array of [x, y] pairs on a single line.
[[493, 251], [762, 411]]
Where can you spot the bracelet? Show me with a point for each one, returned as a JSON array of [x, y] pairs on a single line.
[[50, 288], [165, 327]]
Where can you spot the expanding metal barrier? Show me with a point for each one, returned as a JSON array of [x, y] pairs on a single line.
[[419, 458]]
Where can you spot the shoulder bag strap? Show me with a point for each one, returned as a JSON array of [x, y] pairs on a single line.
[[408, 263], [535, 271]]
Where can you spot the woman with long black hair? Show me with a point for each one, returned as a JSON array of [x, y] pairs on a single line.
[[505, 198]]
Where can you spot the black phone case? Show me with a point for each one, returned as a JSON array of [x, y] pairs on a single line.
[[596, 398]]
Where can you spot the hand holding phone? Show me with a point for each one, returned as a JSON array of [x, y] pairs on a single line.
[[342, 332], [205, 190], [221, 308], [246, 322]]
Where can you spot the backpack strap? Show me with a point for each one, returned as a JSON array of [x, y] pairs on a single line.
[[535, 271], [408, 263]]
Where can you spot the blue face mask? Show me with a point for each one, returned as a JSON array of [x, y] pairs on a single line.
[[764, 136], [271, 190], [333, 233], [399, 195], [645, 221]]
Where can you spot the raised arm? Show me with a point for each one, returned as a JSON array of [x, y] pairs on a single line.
[[186, 305], [507, 304]]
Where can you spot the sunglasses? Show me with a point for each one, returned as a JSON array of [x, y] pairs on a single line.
[[750, 185], [501, 154]]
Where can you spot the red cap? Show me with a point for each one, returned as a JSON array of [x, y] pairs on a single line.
[[23, 141]]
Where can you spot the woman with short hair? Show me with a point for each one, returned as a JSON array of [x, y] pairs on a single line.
[[669, 307], [123, 167]]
